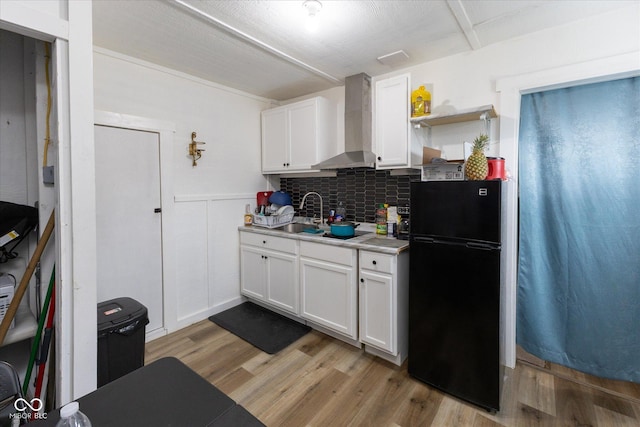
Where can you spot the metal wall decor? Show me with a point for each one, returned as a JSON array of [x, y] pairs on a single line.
[[194, 151]]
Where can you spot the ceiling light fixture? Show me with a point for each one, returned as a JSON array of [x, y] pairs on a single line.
[[312, 7]]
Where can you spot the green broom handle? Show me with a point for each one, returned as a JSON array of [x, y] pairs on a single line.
[[36, 340]]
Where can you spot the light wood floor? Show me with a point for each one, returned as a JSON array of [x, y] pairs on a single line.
[[321, 381]]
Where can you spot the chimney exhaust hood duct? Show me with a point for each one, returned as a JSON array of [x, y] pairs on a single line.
[[357, 124]]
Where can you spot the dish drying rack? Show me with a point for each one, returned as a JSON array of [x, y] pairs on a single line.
[[275, 220], [272, 221]]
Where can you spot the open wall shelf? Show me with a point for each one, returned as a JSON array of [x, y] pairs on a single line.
[[465, 115]]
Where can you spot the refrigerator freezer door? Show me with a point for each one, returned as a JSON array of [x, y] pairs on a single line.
[[454, 315], [458, 210]]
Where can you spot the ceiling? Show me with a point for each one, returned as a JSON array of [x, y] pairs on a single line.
[[265, 48]]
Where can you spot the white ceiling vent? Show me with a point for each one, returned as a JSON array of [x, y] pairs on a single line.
[[393, 59]]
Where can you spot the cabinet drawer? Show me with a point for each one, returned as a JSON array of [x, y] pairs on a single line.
[[328, 253], [281, 244], [375, 261]]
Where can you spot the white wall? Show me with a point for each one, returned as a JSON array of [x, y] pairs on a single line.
[[469, 79], [209, 198], [17, 151]]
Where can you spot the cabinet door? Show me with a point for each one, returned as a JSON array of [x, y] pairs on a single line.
[[252, 272], [303, 131], [329, 295], [275, 140], [282, 281], [392, 122], [377, 315]]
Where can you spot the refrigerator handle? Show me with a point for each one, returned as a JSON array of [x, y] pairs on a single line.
[[436, 241], [482, 246], [422, 239]]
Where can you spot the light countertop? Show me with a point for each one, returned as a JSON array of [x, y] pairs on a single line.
[[369, 241]]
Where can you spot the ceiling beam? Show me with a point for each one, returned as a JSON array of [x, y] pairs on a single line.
[[257, 43], [460, 13]]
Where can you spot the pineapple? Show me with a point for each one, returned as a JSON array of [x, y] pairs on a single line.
[[476, 167]]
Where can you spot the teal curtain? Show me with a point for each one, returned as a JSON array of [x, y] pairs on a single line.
[[579, 245]]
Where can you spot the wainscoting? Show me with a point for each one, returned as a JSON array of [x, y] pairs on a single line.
[[207, 254]]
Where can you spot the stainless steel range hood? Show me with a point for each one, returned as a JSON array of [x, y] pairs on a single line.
[[357, 127]]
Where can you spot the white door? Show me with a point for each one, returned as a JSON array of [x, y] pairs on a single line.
[[128, 221]]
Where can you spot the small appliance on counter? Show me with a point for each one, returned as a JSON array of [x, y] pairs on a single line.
[[496, 168], [262, 201], [404, 213]]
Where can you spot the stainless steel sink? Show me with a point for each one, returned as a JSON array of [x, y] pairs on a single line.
[[296, 227]]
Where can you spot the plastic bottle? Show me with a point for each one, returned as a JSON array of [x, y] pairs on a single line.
[[420, 102], [70, 416], [248, 216], [381, 219], [392, 221], [341, 212]]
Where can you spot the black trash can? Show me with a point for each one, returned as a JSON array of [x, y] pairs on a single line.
[[121, 330]]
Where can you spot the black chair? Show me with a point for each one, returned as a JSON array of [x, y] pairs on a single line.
[[10, 391]]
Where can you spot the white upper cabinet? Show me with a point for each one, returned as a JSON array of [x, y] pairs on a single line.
[[275, 139], [394, 144], [298, 135]]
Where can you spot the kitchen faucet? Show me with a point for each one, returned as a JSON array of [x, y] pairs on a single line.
[[305, 198]]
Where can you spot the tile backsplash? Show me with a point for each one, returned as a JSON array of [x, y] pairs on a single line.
[[360, 189]]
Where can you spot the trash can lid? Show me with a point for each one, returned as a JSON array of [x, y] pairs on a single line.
[[114, 312]]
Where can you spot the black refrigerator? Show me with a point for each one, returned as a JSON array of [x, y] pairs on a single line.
[[454, 288]]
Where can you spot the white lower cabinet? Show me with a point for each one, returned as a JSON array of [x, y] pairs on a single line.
[[328, 286], [252, 272], [269, 270], [377, 311], [359, 296], [383, 304]]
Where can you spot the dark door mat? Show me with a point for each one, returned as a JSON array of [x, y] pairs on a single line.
[[269, 331]]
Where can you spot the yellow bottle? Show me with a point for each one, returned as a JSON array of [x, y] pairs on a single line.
[[420, 102], [248, 216]]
